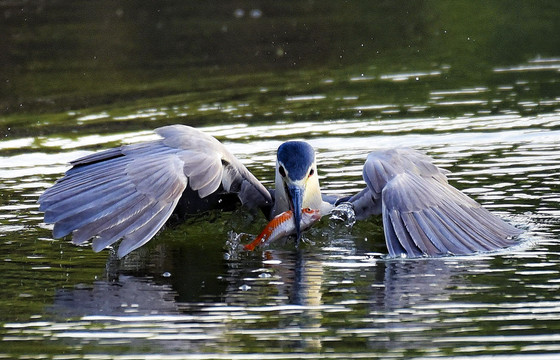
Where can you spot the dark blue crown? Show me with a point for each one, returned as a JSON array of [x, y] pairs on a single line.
[[297, 157]]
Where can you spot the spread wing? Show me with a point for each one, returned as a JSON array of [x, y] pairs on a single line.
[[422, 214], [130, 192]]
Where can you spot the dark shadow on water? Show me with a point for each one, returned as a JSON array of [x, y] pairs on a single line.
[[166, 280]]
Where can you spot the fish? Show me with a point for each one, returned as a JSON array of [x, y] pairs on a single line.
[[283, 225]]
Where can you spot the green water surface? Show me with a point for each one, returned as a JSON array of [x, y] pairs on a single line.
[[475, 84]]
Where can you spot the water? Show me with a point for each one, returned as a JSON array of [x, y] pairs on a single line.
[[492, 120]]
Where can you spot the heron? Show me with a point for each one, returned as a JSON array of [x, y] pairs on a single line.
[[128, 193]]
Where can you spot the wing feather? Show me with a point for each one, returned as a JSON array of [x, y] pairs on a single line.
[[422, 214], [450, 231], [417, 235], [114, 230], [88, 204], [146, 230], [77, 184], [124, 228], [72, 220], [129, 192], [125, 210], [394, 233]]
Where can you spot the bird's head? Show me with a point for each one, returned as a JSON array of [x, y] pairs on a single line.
[[297, 184]]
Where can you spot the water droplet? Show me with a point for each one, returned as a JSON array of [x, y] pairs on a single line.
[[344, 213], [244, 287], [255, 13], [239, 13]]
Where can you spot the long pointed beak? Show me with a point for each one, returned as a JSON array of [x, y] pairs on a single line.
[[296, 197]]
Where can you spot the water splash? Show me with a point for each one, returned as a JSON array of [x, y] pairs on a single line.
[[343, 213]]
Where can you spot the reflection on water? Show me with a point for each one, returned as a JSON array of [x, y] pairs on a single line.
[[332, 299]]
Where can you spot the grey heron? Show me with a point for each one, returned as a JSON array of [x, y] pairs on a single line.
[[130, 192]]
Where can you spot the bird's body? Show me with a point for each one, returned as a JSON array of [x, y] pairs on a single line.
[[130, 192]]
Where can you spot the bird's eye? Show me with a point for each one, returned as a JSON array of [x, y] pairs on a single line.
[[282, 171], [311, 172]]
